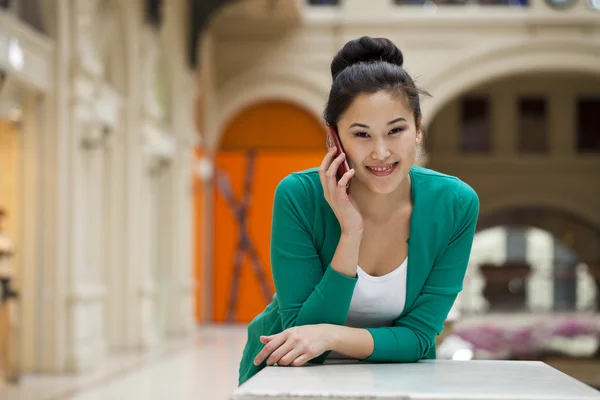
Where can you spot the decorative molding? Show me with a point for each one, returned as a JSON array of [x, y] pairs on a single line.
[[484, 64], [84, 89], [108, 106], [85, 47], [149, 55], [158, 145]]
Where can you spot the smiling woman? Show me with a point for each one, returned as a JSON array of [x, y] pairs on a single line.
[[345, 284]]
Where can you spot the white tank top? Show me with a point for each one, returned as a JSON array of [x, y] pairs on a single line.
[[377, 300]]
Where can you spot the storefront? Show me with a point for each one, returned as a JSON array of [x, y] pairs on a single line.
[[26, 64]]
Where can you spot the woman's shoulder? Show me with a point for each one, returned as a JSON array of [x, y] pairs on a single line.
[[300, 184], [440, 187]]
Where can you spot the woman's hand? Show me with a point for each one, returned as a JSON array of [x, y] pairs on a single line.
[[345, 210], [295, 346]]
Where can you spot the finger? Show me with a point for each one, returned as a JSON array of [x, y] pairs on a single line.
[[273, 345], [327, 161], [346, 178], [280, 352], [266, 339], [324, 166], [335, 164], [290, 357], [331, 178], [300, 361]]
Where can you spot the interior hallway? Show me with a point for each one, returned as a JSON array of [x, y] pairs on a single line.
[[204, 367]]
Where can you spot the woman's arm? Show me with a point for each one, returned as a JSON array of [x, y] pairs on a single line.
[[306, 294], [352, 342]]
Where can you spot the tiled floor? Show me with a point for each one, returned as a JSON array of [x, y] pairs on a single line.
[[203, 368]]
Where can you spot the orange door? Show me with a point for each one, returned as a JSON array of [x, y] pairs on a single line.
[[263, 144], [242, 272]]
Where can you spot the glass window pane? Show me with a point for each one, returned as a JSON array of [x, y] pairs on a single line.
[[475, 125], [588, 124]]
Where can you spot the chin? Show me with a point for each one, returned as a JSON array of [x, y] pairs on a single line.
[[384, 186]]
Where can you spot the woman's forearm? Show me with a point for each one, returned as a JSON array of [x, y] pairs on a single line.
[[352, 342], [345, 259]]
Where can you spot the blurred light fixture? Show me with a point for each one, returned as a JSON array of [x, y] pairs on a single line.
[[455, 348], [205, 168], [16, 56], [15, 114], [463, 355]]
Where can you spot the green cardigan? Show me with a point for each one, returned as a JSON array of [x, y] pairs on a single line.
[[304, 238]]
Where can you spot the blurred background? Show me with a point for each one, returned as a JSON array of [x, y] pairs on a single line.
[[141, 142]]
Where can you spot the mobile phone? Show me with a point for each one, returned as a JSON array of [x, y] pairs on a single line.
[[334, 140]]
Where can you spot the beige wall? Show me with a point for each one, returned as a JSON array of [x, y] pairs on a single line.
[[10, 159], [562, 178]]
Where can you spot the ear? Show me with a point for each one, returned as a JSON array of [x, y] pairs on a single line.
[[419, 130]]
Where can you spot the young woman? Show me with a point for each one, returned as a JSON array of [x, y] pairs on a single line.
[[370, 275]]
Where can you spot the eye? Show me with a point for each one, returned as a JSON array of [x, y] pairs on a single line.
[[361, 134], [396, 130]]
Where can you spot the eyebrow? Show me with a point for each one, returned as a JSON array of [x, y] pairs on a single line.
[[389, 123]]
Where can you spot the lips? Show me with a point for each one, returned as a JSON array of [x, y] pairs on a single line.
[[382, 170]]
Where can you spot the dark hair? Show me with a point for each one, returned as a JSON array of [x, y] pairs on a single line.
[[369, 65]]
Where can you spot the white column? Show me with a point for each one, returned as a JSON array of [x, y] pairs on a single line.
[[55, 167], [86, 288], [209, 138], [540, 284], [33, 131], [180, 317], [107, 209], [180, 299]]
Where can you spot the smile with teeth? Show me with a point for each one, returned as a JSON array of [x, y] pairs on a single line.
[[382, 169]]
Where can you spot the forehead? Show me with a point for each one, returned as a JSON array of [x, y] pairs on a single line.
[[379, 107]]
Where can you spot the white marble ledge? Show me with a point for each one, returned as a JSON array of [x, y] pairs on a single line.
[[425, 380]]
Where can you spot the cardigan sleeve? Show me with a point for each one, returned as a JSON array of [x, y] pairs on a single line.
[[413, 334], [307, 295]]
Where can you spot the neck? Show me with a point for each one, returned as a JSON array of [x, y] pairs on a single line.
[[377, 207]]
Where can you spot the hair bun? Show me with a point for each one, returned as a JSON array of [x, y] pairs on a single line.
[[366, 49]]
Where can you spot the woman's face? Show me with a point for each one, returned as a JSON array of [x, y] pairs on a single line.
[[380, 138]]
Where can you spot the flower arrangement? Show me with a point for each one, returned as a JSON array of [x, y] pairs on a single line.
[[572, 337]]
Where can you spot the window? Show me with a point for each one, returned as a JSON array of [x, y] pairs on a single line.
[[588, 124], [476, 130], [533, 129]]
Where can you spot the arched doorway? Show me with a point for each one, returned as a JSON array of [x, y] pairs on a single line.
[[532, 260], [259, 147]]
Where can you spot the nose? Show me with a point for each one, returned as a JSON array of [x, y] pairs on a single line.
[[381, 150]]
